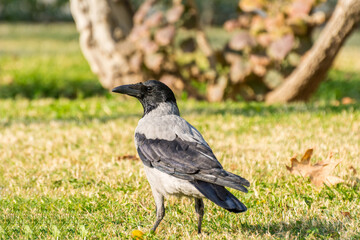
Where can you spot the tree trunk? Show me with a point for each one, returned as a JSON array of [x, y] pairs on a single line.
[[104, 26], [312, 70]]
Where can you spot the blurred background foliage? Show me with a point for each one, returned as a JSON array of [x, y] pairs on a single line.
[[212, 12], [44, 60], [35, 10], [266, 41]]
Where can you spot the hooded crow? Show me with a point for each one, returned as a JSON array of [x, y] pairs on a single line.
[[177, 159]]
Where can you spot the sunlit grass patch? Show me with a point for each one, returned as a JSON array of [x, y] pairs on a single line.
[[62, 174]]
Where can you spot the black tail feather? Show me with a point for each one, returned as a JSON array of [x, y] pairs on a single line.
[[220, 196], [223, 178]]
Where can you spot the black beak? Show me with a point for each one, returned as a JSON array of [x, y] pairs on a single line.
[[134, 90]]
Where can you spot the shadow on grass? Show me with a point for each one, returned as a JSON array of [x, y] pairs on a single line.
[[327, 99], [301, 229], [80, 116], [259, 109], [339, 84], [70, 119], [109, 107]]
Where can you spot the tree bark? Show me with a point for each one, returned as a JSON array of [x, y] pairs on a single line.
[[104, 26], [306, 78]]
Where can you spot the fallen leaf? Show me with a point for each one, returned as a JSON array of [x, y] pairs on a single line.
[[353, 170], [347, 100], [346, 214], [128, 157], [318, 173], [137, 234]]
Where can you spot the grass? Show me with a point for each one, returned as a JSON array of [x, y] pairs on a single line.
[[62, 172], [44, 61]]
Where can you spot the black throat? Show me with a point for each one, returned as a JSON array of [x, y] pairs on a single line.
[[148, 107], [164, 108]]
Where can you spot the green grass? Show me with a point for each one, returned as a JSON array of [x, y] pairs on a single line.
[[44, 61], [61, 175]]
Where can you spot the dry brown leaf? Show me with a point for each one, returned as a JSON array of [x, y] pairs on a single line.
[[318, 173], [346, 214], [353, 170], [347, 100]]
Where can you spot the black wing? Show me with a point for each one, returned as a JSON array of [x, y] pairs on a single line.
[[186, 160]]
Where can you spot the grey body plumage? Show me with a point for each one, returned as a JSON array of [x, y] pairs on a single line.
[[178, 161]]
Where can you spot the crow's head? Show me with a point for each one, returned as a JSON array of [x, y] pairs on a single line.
[[150, 93]]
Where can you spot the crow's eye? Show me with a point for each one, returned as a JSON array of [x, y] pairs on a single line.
[[149, 89]]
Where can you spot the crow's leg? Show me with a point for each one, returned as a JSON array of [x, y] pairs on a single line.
[[199, 208], [160, 210]]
